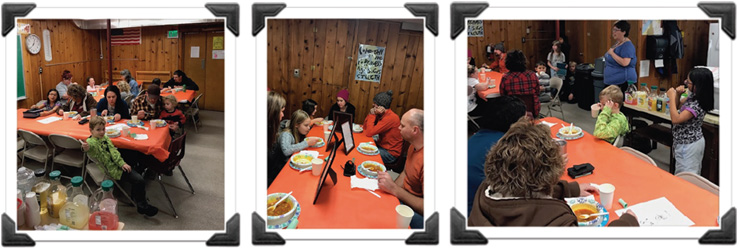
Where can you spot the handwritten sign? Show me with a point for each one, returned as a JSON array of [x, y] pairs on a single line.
[[475, 28], [369, 63]]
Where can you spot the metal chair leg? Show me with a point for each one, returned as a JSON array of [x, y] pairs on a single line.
[[125, 194], [159, 178], [195, 124], [192, 191]]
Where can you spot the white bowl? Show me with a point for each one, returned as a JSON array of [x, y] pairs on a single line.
[[304, 164], [565, 131], [365, 147], [277, 220], [369, 172]]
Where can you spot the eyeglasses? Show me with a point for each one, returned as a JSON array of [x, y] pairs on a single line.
[[615, 30]]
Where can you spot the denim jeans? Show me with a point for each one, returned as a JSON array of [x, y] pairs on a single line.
[[387, 157], [689, 156], [417, 222]]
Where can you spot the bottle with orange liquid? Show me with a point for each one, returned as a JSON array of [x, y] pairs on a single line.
[[103, 205]]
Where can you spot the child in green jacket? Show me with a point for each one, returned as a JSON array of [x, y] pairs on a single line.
[[101, 148], [611, 123]]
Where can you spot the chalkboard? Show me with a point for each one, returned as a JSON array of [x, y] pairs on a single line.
[[475, 28], [369, 63], [21, 79]]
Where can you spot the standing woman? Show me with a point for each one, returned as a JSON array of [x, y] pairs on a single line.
[[113, 104], [621, 58], [554, 57], [342, 105], [687, 116]]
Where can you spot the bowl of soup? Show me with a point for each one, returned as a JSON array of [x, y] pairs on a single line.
[[283, 212], [301, 160], [585, 208], [372, 168], [570, 132], [368, 148]]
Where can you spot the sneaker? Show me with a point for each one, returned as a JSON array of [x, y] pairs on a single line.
[[147, 210]]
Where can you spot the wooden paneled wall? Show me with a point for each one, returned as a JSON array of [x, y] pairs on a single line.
[[325, 51], [535, 44], [591, 39], [72, 48], [156, 53]]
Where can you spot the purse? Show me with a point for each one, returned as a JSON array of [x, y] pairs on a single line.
[[32, 113]]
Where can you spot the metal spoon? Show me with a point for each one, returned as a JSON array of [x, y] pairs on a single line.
[[585, 216], [278, 202]]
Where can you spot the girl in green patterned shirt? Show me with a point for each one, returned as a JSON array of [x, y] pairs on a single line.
[[611, 123]]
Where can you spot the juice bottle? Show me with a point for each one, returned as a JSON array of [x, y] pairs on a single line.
[[629, 94], [653, 98], [57, 195], [41, 187], [642, 96], [75, 212], [104, 215]]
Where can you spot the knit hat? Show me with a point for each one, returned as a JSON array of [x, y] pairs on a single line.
[[344, 94], [384, 99]]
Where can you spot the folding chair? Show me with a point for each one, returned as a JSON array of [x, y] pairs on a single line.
[[556, 83], [699, 181], [99, 176], [34, 147], [177, 152], [192, 112], [619, 141], [68, 151], [638, 154]]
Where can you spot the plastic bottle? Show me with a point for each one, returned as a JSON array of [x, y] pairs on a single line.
[[104, 205], [642, 96], [21, 213], [57, 194], [75, 212], [33, 218], [629, 94], [660, 100], [41, 187], [653, 98], [26, 180]]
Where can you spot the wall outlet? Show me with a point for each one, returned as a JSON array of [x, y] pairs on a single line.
[[296, 73]]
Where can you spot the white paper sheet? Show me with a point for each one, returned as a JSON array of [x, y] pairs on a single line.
[[658, 212], [50, 120], [548, 123], [217, 54], [644, 68], [658, 63], [195, 52], [141, 136]]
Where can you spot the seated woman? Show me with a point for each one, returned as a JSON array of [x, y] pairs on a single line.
[[309, 106], [51, 104], [113, 105], [523, 186], [342, 105], [79, 100]]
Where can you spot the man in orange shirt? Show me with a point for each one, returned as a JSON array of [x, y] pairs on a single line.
[[409, 186], [381, 121]]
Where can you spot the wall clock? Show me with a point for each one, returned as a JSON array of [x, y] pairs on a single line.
[[33, 44]]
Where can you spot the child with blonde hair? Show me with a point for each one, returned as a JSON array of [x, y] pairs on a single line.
[[173, 116], [611, 123]]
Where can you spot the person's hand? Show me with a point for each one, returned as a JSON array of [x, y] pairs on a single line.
[[116, 117], [380, 110], [611, 51], [542, 88], [680, 89], [85, 146], [386, 183], [671, 94], [613, 106], [318, 120], [60, 112], [104, 112], [372, 110], [34, 107], [126, 168], [77, 117], [312, 141], [556, 68], [601, 106], [481, 87], [174, 127], [587, 189], [141, 114]]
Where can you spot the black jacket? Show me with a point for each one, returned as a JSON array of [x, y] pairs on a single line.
[[189, 84], [335, 108], [121, 108]]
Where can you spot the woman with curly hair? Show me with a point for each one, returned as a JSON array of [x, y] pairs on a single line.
[[523, 186]]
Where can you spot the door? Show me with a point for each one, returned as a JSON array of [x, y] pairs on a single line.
[[214, 80], [194, 61]]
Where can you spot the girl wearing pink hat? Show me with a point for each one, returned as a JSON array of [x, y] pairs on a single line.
[[342, 105]]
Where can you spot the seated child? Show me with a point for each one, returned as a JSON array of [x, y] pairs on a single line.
[[100, 147], [174, 117], [611, 123], [544, 79]]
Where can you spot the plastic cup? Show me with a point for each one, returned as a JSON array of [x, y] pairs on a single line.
[[152, 124], [403, 216], [606, 193], [317, 166], [66, 116], [134, 118], [326, 136], [595, 110]]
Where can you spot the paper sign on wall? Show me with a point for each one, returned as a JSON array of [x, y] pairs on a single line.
[[195, 52], [217, 54], [218, 43], [644, 68], [24, 28], [369, 63], [651, 27], [475, 28]]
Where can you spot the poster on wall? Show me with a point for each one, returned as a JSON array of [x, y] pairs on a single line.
[[369, 63], [651, 27], [475, 28]]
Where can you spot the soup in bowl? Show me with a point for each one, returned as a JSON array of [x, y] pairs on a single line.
[[372, 168], [585, 208], [283, 212], [301, 160]]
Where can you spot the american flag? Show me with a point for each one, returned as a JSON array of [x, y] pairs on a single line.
[[126, 36]]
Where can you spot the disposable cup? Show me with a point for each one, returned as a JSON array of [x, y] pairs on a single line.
[[595, 110], [606, 193], [66, 116], [152, 124], [317, 165], [134, 119], [326, 136], [403, 216]]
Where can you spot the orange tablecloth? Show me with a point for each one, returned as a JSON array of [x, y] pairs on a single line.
[[182, 97], [338, 206], [157, 145], [636, 181], [495, 80]]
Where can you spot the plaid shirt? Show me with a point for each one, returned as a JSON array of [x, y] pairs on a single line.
[[140, 103], [522, 83]]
